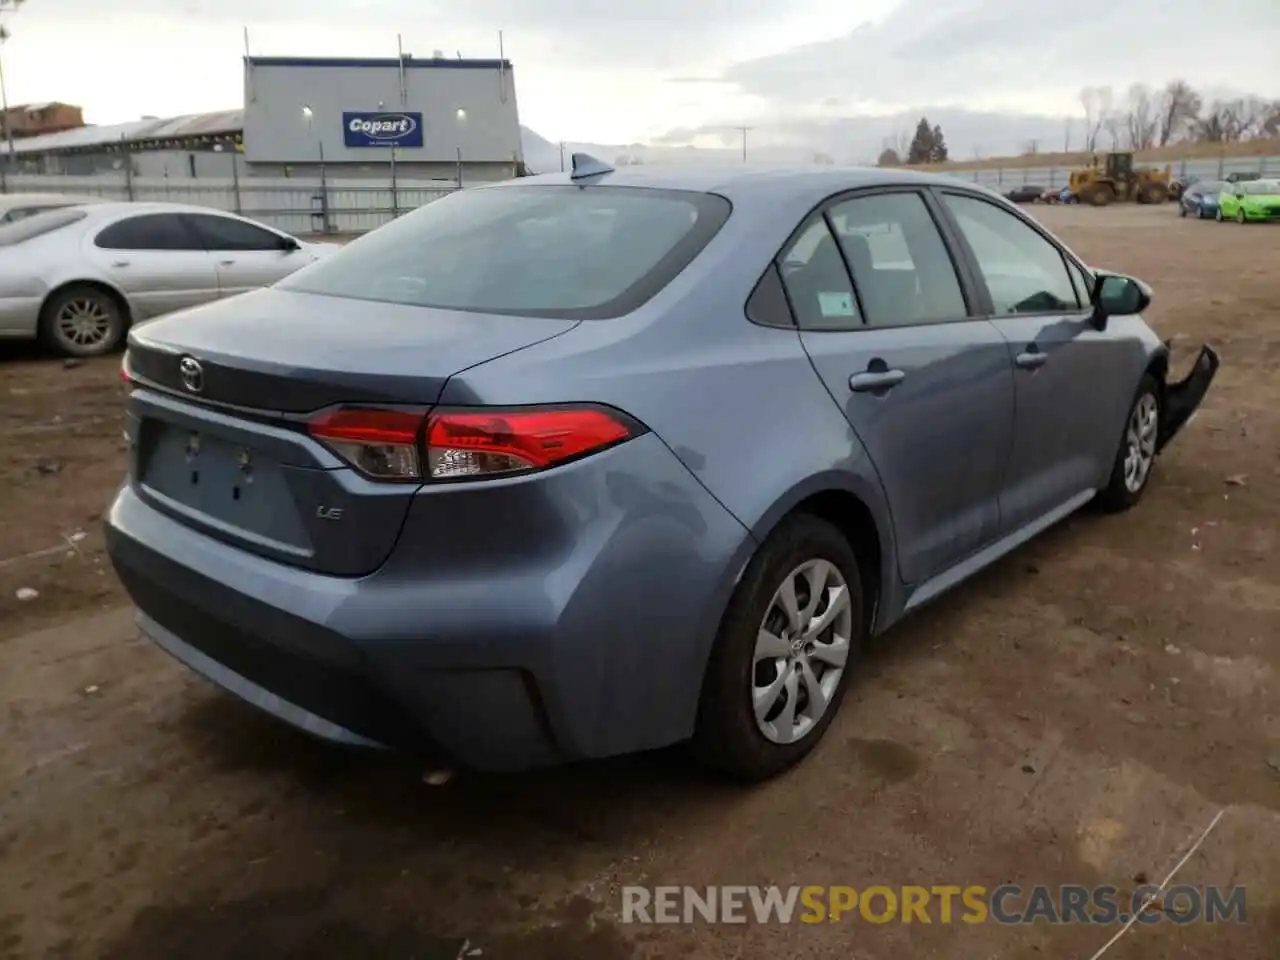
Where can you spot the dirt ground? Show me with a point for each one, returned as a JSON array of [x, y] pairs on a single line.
[[1079, 714]]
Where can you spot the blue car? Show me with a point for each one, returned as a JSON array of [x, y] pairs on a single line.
[[582, 464], [1200, 199]]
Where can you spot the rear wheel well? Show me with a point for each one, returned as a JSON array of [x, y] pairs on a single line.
[[110, 291], [849, 515], [1158, 368]]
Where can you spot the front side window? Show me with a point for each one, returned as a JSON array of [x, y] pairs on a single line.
[[152, 231], [901, 268], [565, 251], [1024, 272]]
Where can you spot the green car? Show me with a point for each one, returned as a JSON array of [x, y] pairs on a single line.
[[1253, 200]]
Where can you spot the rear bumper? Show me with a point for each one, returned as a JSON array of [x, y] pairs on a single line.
[[589, 641], [1182, 399]]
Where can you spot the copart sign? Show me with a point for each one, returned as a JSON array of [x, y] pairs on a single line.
[[382, 129]]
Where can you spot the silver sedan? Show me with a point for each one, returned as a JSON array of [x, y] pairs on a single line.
[[78, 277]]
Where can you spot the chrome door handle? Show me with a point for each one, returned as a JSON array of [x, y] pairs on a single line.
[[120, 263], [1031, 359], [226, 263], [876, 380]]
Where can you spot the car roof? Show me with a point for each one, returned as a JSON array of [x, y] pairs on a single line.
[[112, 207], [803, 185], [10, 200]]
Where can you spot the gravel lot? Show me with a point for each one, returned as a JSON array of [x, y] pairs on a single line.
[[1078, 714]]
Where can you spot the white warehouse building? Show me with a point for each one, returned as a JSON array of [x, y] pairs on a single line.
[[435, 119]]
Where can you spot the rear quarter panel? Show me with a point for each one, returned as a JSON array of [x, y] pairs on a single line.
[[739, 404]]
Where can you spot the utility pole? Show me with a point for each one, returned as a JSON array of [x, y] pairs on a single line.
[[7, 6], [743, 130]]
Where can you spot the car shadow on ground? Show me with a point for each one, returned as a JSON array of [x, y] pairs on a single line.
[[349, 854]]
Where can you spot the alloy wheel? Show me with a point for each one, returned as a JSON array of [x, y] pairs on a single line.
[[1140, 442], [83, 323], [802, 646]]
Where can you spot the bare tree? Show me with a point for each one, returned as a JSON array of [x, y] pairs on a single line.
[[1179, 108], [823, 159], [1251, 115], [1098, 103], [1031, 148], [889, 157], [1141, 121], [1216, 125], [1115, 127], [1271, 122]]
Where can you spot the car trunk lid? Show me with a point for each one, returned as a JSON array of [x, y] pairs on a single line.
[[223, 446]]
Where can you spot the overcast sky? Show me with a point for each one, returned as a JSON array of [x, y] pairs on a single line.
[[618, 71]]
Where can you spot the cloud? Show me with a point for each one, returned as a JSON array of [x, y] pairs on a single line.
[[992, 52]]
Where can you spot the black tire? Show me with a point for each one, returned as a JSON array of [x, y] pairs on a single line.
[[1119, 494], [1218, 215], [1154, 193], [1240, 217], [1182, 210], [1099, 195], [727, 737], [108, 318]]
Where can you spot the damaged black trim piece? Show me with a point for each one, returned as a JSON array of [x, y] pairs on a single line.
[[1182, 399]]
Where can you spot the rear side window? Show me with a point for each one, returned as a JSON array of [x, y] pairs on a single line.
[[564, 251], [38, 224], [817, 282], [152, 231], [226, 233], [901, 267]]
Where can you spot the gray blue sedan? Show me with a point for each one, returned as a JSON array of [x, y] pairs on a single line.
[[583, 464]]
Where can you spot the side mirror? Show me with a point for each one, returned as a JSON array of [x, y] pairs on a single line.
[[1115, 295], [288, 244]]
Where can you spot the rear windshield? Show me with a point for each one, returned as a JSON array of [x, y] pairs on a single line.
[[38, 224], [1209, 186], [1261, 188], [540, 250]]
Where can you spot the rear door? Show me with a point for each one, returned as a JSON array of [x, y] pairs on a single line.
[[927, 387], [1071, 380], [246, 255], [157, 261]]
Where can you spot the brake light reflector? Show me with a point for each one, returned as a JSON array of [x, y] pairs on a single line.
[[478, 443], [382, 444]]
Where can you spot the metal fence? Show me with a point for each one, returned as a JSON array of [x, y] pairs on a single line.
[[307, 205], [1215, 168], [301, 205]]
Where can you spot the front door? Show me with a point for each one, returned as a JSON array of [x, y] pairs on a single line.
[[927, 388], [1068, 376], [246, 255]]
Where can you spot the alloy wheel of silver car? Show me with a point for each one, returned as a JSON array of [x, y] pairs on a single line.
[[1140, 442], [801, 651], [83, 323]]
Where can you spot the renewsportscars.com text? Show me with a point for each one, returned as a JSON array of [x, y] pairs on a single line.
[[1006, 904]]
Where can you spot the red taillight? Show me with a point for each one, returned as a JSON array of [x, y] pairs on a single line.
[[461, 444], [382, 444], [124, 371], [477, 443]]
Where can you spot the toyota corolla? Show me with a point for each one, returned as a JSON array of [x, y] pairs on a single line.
[[591, 463]]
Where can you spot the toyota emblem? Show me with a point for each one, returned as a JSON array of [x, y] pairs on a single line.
[[192, 374]]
